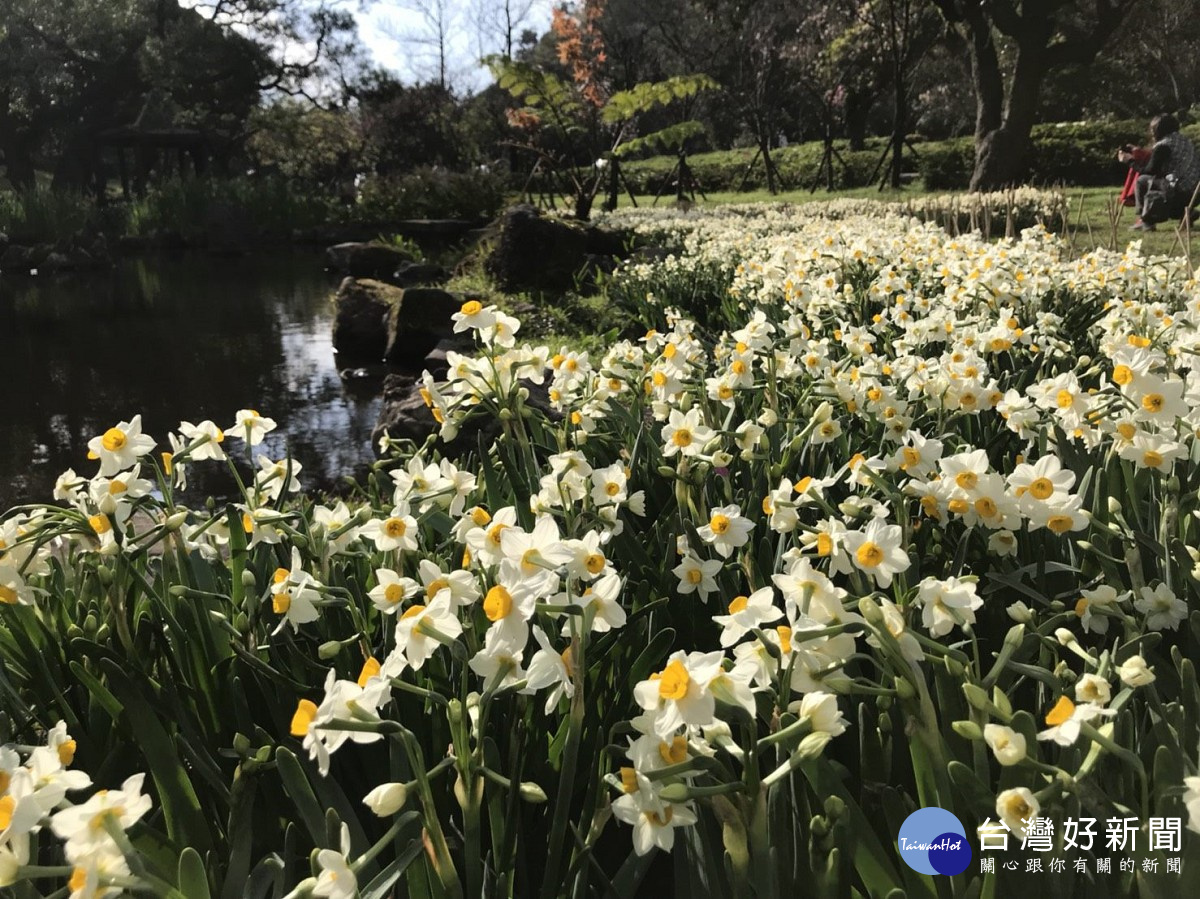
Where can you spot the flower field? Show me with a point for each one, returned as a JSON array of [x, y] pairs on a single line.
[[873, 517]]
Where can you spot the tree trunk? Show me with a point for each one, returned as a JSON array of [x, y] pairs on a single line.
[[18, 162], [764, 145], [583, 203], [1001, 158], [858, 109], [1002, 152], [74, 168], [899, 128]]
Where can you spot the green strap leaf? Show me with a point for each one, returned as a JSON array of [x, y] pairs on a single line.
[[185, 822], [193, 881]]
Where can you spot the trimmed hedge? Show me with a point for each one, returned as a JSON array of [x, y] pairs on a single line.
[[1072, 153]]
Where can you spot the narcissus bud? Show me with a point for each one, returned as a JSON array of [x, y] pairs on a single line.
[[968, 730], [386, 799], [531, 792]]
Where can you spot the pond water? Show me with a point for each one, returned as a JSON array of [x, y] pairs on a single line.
[[184, 337]]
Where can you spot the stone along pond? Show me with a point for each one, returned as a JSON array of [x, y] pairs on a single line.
[[184, 337]]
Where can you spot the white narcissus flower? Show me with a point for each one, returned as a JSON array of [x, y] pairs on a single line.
[[391, 590], [509, 604], [1017, 808], [120, 446], [878, 550], [1097, 607], [274, 478], [485, 540], [250, 426], [208, 436], [1162, 608], [20, 813], [1191, 801], [1044, 481], [294, 594], [679, 694], [1066, 720], [1007, 745], [82, 826], [112, 496], [336, 880], [747, 613], [893, 620], [502, 654], [947, 603], [601, 596], [1003, 543], [14, 589], [1094, 689], [685, 433], [473, 316], [585, 557], [549, 668], [696, 575], [610, 485], [1152, 451], [398, 531], [67, 487], [654, 821], [1134, 672], [344, 700], [413, 639], [533, 556], [339, 526], [421, 482], [49, 766], [821, 711], [461, 584], [726, 530]]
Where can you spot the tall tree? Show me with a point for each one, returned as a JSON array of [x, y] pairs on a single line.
[[430, 41], [71, 68], [902, 32], [499, 24], [1013, 46]]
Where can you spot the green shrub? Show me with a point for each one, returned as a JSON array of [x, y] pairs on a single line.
[[731, 170], [1075, 153], [201, 209], [39, 215], [432, 193], [946, 164]]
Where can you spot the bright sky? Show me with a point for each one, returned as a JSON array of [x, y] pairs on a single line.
[[395, 32], [399, 34]]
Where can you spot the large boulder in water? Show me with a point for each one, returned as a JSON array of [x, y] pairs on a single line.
[[418, 323], [531, 251], [374, 321], [361, 310], [366, 260]]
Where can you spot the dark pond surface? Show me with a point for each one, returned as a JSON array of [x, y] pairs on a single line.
[[174, 338]]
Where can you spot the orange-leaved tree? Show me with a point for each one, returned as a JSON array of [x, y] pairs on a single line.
[[573, 124]]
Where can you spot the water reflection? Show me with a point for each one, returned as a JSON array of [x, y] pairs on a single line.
[[189, 337]]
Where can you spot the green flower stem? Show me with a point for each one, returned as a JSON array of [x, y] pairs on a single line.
[[443, 864], [33, 872], [370, 855], [566, 781]]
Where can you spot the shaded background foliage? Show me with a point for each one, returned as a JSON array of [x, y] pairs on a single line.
[[283, 88]]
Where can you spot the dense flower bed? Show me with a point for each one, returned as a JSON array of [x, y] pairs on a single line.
[[872, 518]]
